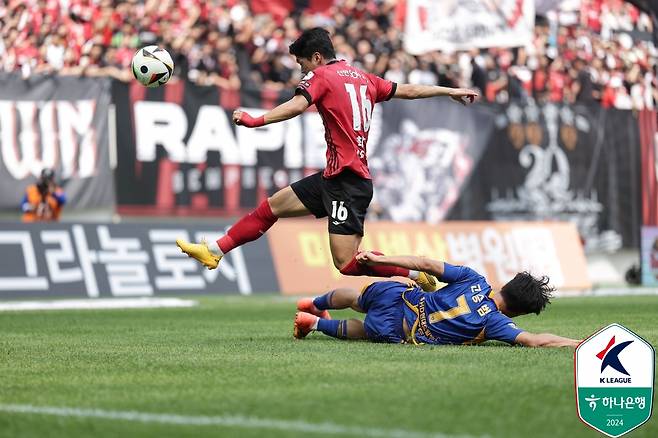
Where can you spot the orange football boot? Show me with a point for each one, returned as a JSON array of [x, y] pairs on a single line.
[[306, 305], [303, 323]]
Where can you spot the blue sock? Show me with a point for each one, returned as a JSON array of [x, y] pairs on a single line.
[[324, 302], [333, 327]]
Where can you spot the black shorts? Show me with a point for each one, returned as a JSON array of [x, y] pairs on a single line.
[[344, 198]]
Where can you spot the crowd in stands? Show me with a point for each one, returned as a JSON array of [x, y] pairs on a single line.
[[599, 51]]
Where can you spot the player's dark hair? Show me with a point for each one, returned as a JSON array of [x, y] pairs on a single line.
[[527, 294], [311, 41]]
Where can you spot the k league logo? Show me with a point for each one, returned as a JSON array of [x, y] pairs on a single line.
[[610, 357], [614, 370]]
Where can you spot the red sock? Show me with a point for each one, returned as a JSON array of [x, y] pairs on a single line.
[[249, 228], [356, 268]]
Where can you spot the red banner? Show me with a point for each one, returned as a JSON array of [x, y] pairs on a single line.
[[648, 130]]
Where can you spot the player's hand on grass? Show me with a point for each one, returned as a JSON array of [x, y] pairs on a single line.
[[242, 118], [463, 95], [368, 258]]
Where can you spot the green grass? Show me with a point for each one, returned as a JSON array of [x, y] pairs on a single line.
[[236, 356]]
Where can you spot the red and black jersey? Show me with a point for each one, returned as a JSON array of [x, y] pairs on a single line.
[[345, 97]]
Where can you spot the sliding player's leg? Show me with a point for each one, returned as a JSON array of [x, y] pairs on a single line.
[[341, 298], [305, 323], [344, 249], [384, 307], [313, 315], [380, 301], [283, 203]]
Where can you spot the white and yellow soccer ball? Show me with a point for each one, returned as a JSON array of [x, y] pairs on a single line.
[[152, 66]]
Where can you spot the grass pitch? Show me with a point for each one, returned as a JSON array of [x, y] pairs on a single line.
[[234, 358]]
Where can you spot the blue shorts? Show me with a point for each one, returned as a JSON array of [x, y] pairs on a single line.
[[383, 304]]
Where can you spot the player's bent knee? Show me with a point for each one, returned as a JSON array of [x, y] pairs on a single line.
[[344, 260], [356, 307], [346, 265], [286, 203], [340, 263], [277, 203], [344, 249]]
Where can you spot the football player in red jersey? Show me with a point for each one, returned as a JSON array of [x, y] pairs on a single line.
[[344, 96]]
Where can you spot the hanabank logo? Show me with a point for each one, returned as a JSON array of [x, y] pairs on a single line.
[[609, 357], [614, 375]]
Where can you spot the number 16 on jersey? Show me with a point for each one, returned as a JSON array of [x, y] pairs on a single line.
[[338, 210], [362, 111]]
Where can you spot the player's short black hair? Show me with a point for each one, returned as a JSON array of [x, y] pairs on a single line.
[[527, 294], [311, 41]]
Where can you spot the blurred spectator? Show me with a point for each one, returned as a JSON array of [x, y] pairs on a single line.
[[422, 74], [394, 71], [44, 200], [587, 51]]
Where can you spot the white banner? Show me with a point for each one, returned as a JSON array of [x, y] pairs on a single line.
[[450, 25]]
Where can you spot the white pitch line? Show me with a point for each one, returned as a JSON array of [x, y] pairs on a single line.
[[225, 420], [97, 303], [608, 292]]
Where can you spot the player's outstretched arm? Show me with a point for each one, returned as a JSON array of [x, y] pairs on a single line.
[[411, 91], [544, 340], [424, 264], [285, 111]]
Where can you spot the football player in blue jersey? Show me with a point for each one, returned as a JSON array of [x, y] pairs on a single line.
[[465, 311]]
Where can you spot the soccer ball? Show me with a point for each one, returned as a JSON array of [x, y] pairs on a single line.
[[152, 66]]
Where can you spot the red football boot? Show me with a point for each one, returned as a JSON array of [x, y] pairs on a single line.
[[303, 324], [306, 305]]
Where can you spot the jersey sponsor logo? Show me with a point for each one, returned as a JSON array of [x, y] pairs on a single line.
[[422, 320], [350, 74]]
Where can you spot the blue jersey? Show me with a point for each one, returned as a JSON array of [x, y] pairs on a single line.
[[462, 312]]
